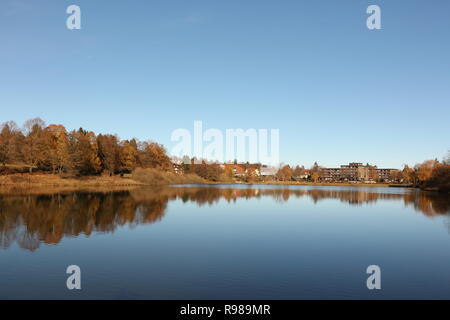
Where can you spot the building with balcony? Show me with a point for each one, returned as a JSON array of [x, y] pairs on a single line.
[[356, 171]]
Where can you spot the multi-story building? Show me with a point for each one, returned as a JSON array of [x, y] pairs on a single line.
[[330, 173], [351, 171], [356, 171], [386, 174]]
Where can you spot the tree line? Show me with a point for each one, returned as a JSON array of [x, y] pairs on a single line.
[[38, 147], [51, 148], [428, 174]]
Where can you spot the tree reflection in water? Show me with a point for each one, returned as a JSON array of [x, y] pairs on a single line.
[[30, 220]]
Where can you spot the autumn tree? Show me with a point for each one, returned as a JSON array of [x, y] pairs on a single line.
[[425, 169], [408, 174], [83, 149], [108, 152], [56, 148], [135, 145], [284, 173], [298, 172], [214, 172], [440, 178], [396, 175], [315, 172], [33, 146], [207, 171], [199, 169], [128, 155], [251, 174], [229, 173], [154, 155], [373, 173], [10, 137]]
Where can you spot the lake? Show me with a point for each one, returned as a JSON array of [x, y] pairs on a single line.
[[226, 242]]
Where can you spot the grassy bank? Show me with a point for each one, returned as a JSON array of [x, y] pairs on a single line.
[[48, 184], [158, 177], [50, 180], [140, 177]]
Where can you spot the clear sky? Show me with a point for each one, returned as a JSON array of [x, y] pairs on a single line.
[[337, 91]]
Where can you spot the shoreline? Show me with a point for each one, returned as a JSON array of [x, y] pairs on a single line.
[[50, 181], [330, 184]]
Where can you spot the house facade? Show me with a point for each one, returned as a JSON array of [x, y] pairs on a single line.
[[356, 171]]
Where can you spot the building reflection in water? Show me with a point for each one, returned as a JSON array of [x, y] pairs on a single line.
[[30, 220]]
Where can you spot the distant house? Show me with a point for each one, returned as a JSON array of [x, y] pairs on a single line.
[[304, 176], [177, 165], [237, 170], [268, 173], [177, 168], [252, 172]]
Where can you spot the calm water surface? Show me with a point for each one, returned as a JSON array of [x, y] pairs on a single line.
[[226, 242]]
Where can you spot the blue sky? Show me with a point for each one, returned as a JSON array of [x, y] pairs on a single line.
[[337, 91]]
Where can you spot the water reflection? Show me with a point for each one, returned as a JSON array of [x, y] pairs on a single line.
[[30, 220]]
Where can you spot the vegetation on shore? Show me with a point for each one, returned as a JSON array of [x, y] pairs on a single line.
[[49, 180], [140, 177], [430, 175], [151, 176], [52, 149], [43, 155]]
